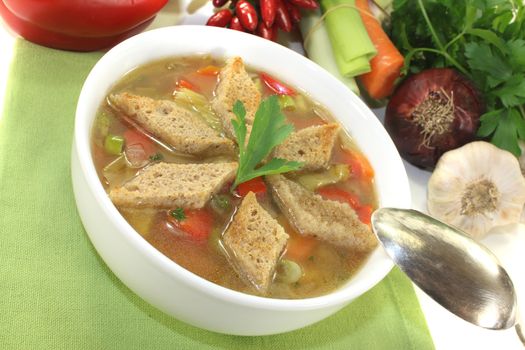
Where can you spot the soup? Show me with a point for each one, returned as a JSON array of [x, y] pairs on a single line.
[[166, 151]]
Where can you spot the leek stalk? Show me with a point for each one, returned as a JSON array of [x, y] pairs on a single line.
[[318, 46], [353, 49]]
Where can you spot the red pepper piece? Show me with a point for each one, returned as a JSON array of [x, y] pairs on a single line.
[[265, 32], [336, 194], [364, 212], [305, 4], [138, 148], [135, 137], [78, 25], [235, 24], [276, 86], [360, 167], [182, 83], [247, 15], [220, 18], [268, 8], [282, 17], [256, 185], [295, 13], [197, 223]]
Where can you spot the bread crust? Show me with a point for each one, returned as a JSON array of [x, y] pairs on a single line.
[[182, 129], [313, 215], [172, 185], [254, 241]]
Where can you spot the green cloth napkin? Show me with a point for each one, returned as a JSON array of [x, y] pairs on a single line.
[[55, 291]]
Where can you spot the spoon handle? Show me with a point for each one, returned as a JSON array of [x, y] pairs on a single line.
[[519, 331]]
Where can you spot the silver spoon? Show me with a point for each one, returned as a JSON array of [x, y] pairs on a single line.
[[453, 269]]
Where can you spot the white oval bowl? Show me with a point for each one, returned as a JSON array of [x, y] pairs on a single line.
[[162, 282]]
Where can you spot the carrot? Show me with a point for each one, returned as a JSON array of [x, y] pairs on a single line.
[[300, 248], [209, 70], [386, 65], [255, 185], [197, 223]]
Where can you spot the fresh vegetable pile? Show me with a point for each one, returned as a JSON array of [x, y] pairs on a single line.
[[484, 40], [263, 17], [451, 72]]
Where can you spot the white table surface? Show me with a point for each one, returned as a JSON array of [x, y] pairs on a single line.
[[448, 331]]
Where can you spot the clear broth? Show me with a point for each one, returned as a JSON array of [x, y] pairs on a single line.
[[326, 267]]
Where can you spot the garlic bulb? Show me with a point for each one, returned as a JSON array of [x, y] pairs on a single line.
[[477, 187]]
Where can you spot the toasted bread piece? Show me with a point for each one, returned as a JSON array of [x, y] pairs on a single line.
[[170, 185], [327, 220], [177, 126], [254, 241], [235, 84], [312, 145]]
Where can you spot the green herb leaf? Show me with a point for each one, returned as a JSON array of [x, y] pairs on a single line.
[[517, 52], [489, 123], [505, 136], [519, 122], [178, 214], [269, 129], [156, 157], [484, 39], [481, 57], [489, 36]]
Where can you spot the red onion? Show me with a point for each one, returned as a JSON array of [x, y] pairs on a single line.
[[431, 113]]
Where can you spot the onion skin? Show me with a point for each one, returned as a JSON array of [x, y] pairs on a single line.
[[408, 136]]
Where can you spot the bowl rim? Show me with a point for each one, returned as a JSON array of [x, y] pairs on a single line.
[[343, 294]]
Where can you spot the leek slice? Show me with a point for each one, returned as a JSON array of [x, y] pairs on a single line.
[[199, 103], [319, 49], [353, 49]]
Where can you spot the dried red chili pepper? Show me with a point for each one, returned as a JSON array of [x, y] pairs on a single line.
[[268, 33], [247, 15], [219, 3], [235, 24], [220, 18], [305, 4], [267, 12], [294, 12], [282, 17]]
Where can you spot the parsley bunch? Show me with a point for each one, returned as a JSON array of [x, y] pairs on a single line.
[[269, 129], [484, 40]]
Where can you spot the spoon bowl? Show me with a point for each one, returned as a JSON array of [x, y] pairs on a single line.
[[457, 272]]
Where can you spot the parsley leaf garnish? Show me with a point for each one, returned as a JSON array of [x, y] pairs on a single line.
[[269, 129], [178, 214]]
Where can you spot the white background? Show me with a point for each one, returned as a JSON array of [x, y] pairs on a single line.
[[448, 331]]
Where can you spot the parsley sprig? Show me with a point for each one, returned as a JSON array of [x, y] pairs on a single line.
[[484, 40], [269, 129], [178, 214]]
